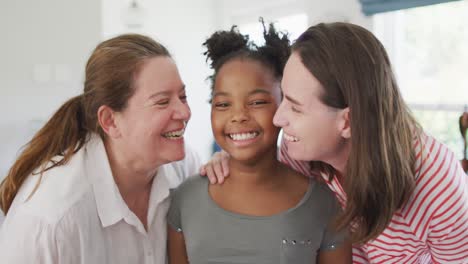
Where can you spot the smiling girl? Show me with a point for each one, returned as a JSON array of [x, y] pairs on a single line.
[[264, 212]]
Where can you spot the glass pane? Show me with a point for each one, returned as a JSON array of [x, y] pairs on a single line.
[[293, 24], [428, 50]]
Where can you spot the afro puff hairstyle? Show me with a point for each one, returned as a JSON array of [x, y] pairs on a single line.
[[223, 46]]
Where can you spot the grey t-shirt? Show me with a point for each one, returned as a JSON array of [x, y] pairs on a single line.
[[214, 235]]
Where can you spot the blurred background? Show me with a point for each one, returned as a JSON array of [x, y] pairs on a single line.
[[45, 44]]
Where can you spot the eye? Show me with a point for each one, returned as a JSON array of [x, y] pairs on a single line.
[[258, 102], [183, 98], [221, 105], [295, 110], [162, 102]]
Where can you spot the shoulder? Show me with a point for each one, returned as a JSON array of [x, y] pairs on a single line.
[[50, 196], [314, 185], [320, 200], [40, 236], [440, 188], [321, 192], [192, 186], [436, 164], [431, 153], [189, 191]]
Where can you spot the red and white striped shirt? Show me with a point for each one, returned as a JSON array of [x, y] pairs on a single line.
[[432, 226]]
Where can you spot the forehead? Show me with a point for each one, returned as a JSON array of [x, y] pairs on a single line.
[[298, 81], [157, 74], [243, 74]]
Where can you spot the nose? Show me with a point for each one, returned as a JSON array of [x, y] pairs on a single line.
[[279, 119], [182, 111], [241, 114]]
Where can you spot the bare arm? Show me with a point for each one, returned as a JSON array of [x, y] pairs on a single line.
[[342, 254], [176, 247]]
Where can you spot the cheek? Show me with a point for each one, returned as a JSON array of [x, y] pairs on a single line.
[[216, 123], [319, 130], [267, 121], [157, 123]]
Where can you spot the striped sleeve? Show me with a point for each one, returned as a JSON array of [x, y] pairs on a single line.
[[438, 209], [448, 227]]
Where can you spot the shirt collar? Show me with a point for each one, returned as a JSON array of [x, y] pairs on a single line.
[[159, 192], [109, 202]]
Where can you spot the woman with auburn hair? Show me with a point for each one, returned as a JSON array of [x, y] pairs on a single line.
[[344, 121], [92, 186]]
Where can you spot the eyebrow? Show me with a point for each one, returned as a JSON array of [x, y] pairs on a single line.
[[256, 91], [292, 100], [259, 90], [182, 89]]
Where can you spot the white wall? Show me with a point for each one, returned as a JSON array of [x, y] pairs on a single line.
[[43, 49]]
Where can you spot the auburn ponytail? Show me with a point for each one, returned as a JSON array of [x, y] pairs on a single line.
[[62, 135]]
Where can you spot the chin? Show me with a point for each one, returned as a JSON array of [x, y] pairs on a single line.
[[175, 156], [179, 155], [169, 156], [298, 155]]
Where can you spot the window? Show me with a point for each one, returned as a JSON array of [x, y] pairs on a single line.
[[294, 24], [428, 47]]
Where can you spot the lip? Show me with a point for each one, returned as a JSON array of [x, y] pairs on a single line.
[[243, 142], [289, 138], [173, 130], [241, 131], [179, 130]]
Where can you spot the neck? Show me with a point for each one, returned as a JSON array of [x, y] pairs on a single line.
[[339, 160], [133, 182], [262, 171]]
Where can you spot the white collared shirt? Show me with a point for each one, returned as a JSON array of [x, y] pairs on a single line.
[[77, 215]]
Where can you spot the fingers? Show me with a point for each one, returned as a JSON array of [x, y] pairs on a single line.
[[218, 170], [225, 165], [210, 173], [203, 170]]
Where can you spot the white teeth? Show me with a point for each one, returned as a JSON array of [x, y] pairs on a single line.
[[174, 134], [243, 136], [290, 138]]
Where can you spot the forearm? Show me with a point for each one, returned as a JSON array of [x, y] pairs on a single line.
[[177, 253]]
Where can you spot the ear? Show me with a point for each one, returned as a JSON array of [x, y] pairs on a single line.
[[345, 124], [107, 120]]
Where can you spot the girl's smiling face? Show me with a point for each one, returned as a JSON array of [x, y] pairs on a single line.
[[245, 98]]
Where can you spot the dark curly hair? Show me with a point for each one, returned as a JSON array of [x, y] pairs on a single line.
[[224, 46]]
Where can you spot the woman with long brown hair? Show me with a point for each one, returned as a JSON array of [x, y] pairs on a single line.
[[404, 194], [92, 185]]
